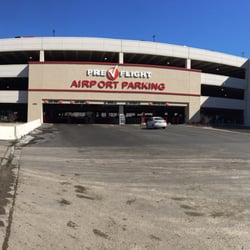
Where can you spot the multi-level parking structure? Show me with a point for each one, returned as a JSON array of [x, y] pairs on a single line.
[[81, 79]]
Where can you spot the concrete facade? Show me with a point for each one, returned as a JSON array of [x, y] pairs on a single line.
[[56, 69], [70, 82]]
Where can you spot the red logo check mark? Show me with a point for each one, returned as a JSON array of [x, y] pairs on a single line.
[[112, 73]]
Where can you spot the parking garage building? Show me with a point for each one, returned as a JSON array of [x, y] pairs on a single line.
[[96, 80]]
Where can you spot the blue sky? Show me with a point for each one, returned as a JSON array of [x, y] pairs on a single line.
[[219, 25]]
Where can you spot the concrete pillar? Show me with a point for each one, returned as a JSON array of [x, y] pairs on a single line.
[[247, 97], [121, 58], [35, 108], [42, 58], [122, 120], [193, 112], [188, 63], [186, 119]]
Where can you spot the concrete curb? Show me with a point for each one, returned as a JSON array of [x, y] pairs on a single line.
[[15, 132]]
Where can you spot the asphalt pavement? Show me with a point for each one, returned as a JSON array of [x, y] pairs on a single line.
[[125, 187]]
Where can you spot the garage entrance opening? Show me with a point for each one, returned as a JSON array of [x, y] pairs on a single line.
[[109, 114]]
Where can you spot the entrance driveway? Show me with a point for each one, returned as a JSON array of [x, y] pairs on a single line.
[[125, 187]]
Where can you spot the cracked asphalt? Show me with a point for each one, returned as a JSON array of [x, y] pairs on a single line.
[[124, 187]]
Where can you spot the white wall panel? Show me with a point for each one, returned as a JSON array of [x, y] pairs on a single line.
[[13, 96], [19, 44], [74, 43], [136, 46], [20, 70], [226, 103], [217, 57], [225, 81]]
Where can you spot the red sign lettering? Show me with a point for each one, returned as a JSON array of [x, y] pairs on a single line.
[[151, 86]]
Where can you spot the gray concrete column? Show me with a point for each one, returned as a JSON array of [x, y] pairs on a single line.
[[188, 63], [122, 120], [247, 97], [121, 59], [193, 112], [41, 58]]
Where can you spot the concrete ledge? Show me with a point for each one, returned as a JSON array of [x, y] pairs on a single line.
[[14, 132]]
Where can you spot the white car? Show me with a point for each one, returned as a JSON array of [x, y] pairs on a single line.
[[156, 122]]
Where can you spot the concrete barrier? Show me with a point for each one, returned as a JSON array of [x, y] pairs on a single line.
[[14, 132], [7, 132]]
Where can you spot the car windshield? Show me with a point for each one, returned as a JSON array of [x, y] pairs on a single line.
[[158, 119]]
